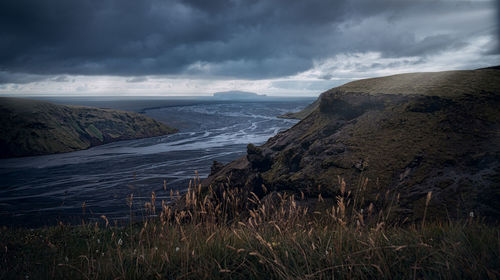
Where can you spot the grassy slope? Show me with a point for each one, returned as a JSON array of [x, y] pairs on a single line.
[[35, 127], [454, 251], [412, 133], [212, 238], [445, 84]]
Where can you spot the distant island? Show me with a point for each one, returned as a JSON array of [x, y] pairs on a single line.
[[32, 127], [237, 95]]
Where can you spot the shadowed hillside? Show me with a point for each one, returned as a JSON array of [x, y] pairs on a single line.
[[35, 127], [409, 133]]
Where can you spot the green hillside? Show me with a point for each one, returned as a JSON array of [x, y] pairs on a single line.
[[410, 133], [32, 127]]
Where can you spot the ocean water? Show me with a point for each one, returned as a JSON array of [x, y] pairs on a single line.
[[43, 190]]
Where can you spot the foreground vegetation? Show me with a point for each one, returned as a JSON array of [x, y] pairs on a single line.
[[234, 234]]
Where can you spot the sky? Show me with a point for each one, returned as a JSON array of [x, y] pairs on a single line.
[[197, 47]]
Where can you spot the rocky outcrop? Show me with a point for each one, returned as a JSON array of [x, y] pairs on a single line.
[[32, 127], [410, 134]]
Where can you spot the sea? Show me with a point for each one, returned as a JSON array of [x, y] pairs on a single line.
[[81, 186]]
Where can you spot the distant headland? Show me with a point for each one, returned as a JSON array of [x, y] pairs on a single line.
[[31, 127]]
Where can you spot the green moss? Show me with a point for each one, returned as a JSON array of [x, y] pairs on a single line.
[[94, 132]]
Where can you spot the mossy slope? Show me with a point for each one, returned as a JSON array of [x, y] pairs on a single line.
[[32, 127], [410, 133]]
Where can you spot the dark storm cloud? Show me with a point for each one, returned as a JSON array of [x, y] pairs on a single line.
[[19, 78], [496, 48], [221, 38]]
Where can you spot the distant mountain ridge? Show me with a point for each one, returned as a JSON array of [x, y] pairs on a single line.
[[237, 95], [30, 127]]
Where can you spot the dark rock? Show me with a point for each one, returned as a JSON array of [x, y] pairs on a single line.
[[216, 167], [259, 158]]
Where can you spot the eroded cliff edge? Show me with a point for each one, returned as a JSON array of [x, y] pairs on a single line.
[[30, 127], [409, 134]]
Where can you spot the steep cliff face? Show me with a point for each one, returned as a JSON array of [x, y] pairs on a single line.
[[409, 133], [31, 127]]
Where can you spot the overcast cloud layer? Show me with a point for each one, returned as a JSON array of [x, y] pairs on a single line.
[[270, 46]]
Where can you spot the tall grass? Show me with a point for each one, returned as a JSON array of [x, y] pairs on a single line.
[[227, 232]]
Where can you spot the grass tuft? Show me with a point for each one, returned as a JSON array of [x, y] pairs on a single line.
[[231, 233]]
